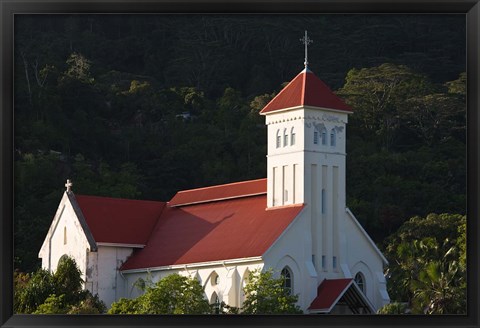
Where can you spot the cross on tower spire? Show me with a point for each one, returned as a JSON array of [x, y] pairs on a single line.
[[69, 185], [306, 41]]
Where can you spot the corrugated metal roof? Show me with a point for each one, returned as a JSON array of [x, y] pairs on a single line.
[[123, 221], [221, 230], [328, 293], [225, 191], [306, 89]]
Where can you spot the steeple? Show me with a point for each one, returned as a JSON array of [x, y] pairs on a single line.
[[306, 41], [306, 142], [306, 131], [306, 89]]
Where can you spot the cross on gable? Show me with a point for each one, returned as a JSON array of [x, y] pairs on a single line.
[[69, 185], [306, 41]]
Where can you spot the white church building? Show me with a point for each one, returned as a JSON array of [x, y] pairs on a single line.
[[295, 221]]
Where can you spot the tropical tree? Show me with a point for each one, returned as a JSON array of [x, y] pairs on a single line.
[[174, 294], [394, 308], [427, 264], [35, 292], [61, 292], [125, 306], [440, 288], [68, 280], [265, 294], [375, 93]]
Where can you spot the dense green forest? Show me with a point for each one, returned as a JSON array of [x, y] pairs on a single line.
[[141, 106]]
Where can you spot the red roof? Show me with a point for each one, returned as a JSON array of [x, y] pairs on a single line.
[[123, 221], [220, 230], [328, 293], [306, 89], [231, 190]]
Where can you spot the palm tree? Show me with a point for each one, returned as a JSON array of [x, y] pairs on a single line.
[[440, 287]]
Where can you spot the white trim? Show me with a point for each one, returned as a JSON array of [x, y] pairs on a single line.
[[354, 219], [343, 111], [281, 110], [195, 265], [120, 245], [306, 151], [217, 199]]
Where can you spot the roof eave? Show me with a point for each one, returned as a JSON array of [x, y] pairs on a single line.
[[282, 110], [81, 219], [194, 265]]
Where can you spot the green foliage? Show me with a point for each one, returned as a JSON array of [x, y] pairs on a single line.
[[105, 181], [68, 279], [375, 94], [138, 87], [440, 287], [173, 294], [125, 306], [265, 294], [458, 86], [53, 305], [78, 68], [45, 293], [89, 304], [39, 287], [427, 267], [394, 308]]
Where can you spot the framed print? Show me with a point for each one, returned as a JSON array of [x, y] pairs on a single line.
[[192, 163]]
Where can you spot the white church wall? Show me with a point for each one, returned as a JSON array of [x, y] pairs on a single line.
[[228, 287], [103, 276], [363, 257], [65, 237], [293, 249]]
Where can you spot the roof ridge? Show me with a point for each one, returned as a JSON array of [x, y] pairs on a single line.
[[157, 220], [211, 200], [284, 88], [221, 185], [304, 86]]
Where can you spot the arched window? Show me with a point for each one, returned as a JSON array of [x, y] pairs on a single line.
[[244, 283], [285, 138], [292, 137], [333, 137], [215, 303], [324, 136], [279, 139], [215, 279], [315, 137], [360, 281], [64, 235], [287, 279]]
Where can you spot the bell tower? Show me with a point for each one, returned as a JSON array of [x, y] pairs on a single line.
[[306, 131]]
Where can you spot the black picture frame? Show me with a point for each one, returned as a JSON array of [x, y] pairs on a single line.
[[8, 8]]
